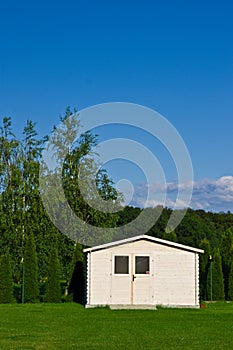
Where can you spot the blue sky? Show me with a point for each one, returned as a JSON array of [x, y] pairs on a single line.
[[175, 57]]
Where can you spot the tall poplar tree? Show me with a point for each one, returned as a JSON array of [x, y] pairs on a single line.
[[204, 267], [53, 287], [217, 277], [226, 250], [10, 177], [31, 289], [230, 285], [77, 281]]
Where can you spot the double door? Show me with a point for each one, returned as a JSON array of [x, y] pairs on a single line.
[[132, 279]]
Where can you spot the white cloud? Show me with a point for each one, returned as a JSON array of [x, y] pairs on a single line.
[[208, 194]]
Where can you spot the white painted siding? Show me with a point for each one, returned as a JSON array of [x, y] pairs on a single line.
[[100, 277], [175, 278]]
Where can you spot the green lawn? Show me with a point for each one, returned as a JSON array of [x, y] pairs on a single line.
[[69, 326]]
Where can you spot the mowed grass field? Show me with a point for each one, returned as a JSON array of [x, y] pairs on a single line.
[[70, 326]]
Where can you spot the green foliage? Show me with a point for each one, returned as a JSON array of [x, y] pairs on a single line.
[[193, 229], [21, 208], [230, 285], [77, 175], [170, 236], [195, 226], [6, 281], [53, 288], [78, 253], [217, 277], [77, 282], [204, 267], [226, 250], [31, 289]]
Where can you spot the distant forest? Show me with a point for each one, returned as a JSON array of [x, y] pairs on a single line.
[[29, 242]]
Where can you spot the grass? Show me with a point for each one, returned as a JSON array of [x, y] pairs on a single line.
[[70, 326]]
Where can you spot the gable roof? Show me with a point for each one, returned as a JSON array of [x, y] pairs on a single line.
[[145, 238]]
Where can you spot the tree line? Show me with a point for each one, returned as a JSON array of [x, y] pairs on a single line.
[[38, 262], [212, 232], [23, 218]]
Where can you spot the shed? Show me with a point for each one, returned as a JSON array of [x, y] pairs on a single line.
[[142, 272]]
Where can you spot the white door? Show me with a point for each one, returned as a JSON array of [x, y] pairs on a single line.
[[142, 280], [121, 280], [132, 280]]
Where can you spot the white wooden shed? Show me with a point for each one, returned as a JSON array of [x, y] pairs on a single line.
[[142, 272]]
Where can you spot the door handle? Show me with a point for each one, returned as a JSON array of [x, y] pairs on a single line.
[[134, 278]]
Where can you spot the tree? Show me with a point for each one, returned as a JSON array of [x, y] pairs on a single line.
[[6, 281], [226, 250], [76, 286], [230, 285], [75, 179], [204, 267], [8, 155], [21, 207], [192, 229], [217, 278], [53, 287], [10, 198], [170, 236], [31, 289], [22, 212]]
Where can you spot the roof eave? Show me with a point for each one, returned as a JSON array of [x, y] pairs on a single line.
[[145, 237]]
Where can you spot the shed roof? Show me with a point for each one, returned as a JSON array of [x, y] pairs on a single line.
[[143, 237]]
